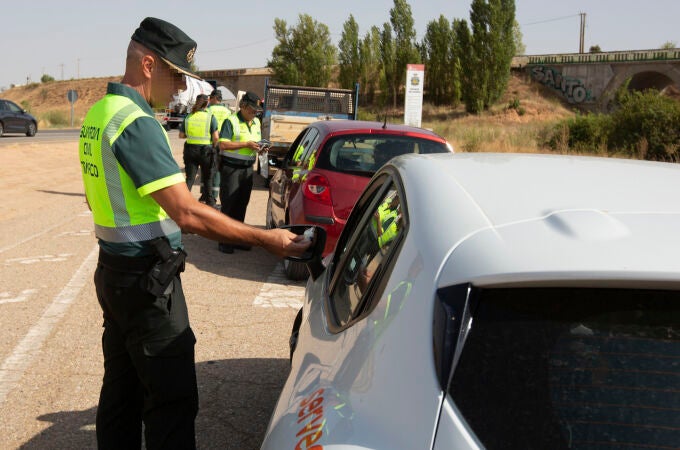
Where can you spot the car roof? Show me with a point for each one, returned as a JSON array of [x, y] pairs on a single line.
[[364, 126], [530, 219]]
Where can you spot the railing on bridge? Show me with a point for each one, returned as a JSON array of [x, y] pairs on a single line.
[[671, 54]]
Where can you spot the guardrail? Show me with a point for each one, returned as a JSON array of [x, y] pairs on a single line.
[[672, 54]]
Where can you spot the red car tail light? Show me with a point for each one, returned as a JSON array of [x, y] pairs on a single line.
[[317, 188]]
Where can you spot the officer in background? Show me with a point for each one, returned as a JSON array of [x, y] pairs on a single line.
[[199, 128], [140, 203], [239, 137], [221, 113]]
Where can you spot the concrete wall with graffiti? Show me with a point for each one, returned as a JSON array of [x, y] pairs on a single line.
[[578, 85]]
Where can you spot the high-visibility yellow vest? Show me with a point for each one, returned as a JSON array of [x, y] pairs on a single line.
[[220, 112], [197, 127], [386, 224], [241, 133], [121, 212]]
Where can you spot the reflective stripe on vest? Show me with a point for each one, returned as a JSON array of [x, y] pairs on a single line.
[[197, 128], [241, 133], [120, 214]]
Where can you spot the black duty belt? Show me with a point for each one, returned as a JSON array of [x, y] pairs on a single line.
[[236, 163], [140, 264]]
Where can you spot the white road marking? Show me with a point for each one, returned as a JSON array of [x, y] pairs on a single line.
[[75, 233], [25, 294], [37, 259], [280, 292], [29, 347], [29, 238]]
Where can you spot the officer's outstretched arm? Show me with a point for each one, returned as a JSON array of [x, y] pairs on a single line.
[[206, 221]]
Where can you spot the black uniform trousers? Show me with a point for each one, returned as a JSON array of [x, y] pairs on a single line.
[[236, 185], [200, 157], [149, 369]]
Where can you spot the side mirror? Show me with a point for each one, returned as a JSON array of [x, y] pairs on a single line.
[[312, 257]]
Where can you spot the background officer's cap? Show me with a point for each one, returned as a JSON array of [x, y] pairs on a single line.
[[170, 43]]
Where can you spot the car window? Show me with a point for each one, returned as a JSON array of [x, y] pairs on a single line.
[[367, 153], [12, 107], [3, 106], [308, 147], [295, 149], [361, 264], [571, 368]]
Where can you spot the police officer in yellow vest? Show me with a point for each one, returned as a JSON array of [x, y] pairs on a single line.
[[201, 133], [140, 203], [239, 137], [221, 113]]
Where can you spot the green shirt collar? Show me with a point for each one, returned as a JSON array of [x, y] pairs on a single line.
[[127, 91]]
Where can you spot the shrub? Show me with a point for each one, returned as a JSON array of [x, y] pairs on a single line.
[[646, 116], [644, 125], [56, 118]]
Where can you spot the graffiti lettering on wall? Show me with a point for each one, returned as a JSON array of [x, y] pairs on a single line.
[[572, 88]]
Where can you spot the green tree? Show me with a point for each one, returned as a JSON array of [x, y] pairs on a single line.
[[349, 45], [668, 45], [595, 49], [518, 39], [406, 51], [304, 55], [370, 65], [389, 61], [437, 48], [493, 47], [46, 78], [470, 89], [501, 31]]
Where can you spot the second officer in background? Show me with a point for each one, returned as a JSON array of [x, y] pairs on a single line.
[[238, 143], [201, 133], [221, 113]]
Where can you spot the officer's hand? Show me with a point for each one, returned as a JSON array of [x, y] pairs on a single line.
[[253, 145], [286, 243]]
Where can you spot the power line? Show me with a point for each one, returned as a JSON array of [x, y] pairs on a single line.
[[550, 20]]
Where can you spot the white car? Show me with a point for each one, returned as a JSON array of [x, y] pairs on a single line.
[[499, 301]]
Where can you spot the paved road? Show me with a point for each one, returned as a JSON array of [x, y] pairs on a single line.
[[241, 309]]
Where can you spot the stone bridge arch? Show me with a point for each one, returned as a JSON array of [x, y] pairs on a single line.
[[658, 76]]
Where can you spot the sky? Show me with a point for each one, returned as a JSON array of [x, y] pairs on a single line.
[[70, 39]]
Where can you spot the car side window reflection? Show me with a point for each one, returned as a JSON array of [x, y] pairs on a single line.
[[363, 260], [295, 150]]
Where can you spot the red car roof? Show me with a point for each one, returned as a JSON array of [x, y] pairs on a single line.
[[365, 126]]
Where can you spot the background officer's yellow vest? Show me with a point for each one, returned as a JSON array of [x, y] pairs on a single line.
[[197, 128], [221, 113], [241, 133], [120, 212]]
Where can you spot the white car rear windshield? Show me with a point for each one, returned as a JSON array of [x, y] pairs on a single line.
[[571, 369]]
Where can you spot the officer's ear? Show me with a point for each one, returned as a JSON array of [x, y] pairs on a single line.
[[149, 65]]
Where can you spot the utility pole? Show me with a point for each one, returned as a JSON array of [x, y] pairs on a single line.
[[583, 32], [62, 71]]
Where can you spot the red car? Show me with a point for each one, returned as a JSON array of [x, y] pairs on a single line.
[[326, 169]]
